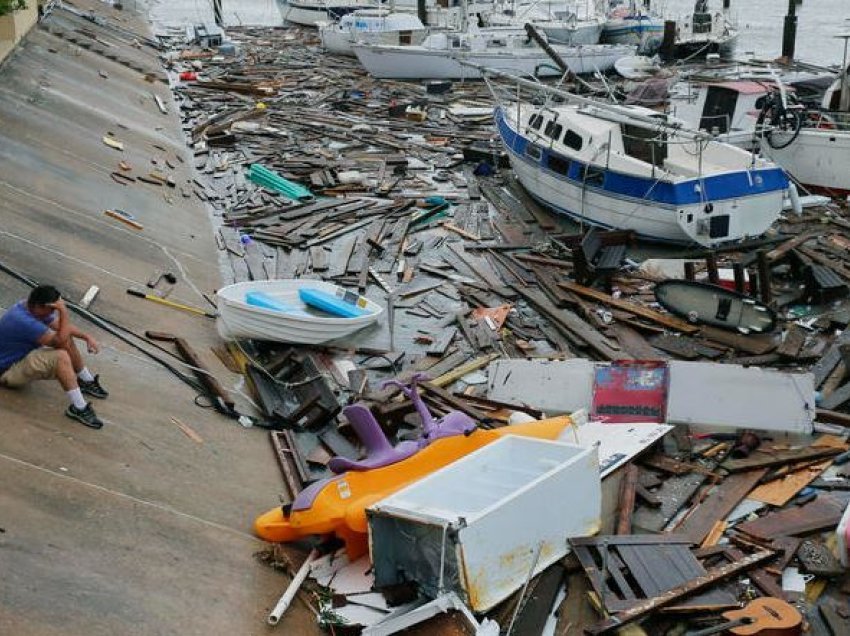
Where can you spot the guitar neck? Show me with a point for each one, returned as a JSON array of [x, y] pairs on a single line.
[[708, 631]]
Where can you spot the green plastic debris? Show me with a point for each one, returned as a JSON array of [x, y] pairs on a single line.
[[272, 181]]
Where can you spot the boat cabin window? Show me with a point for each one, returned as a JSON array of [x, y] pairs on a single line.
[[573, 140], [644, 144], [594, 176], [536, 121], [719, 109], [553, 130], [558, 164], [534, 152], [405, 37]]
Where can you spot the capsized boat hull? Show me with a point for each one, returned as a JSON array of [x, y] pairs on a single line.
[[339, 505], [714, 305]]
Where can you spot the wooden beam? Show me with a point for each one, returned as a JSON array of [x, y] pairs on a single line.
[[627, 499], [662, 319]]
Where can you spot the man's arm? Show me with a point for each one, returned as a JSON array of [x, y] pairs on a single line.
[[61, 327]]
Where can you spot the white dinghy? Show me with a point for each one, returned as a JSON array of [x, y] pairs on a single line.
[[276, 310]]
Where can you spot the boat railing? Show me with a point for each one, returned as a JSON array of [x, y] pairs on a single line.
[[828, 121]]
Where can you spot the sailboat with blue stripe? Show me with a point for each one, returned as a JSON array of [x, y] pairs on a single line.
[[627, 167]]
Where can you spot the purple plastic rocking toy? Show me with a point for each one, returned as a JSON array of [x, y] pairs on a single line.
[[379, 451]]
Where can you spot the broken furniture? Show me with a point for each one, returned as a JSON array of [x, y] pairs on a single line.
[[484, 524], [598, 254], [292, 392], [626, 570]]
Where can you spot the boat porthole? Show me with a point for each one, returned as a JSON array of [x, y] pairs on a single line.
[[709, 208], [690, 218]]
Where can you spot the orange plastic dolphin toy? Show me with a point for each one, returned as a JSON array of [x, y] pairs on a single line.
[[337, 506]]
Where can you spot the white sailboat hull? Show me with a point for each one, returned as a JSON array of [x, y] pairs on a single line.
[[310, 13], [676, 204], [655, 222], [416, 62], [583, 33]]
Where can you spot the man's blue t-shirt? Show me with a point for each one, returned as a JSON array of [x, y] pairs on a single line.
[[19, 333]]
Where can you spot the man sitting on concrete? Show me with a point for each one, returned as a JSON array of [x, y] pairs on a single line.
[[37, 343]]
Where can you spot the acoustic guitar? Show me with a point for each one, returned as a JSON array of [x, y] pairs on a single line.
[[762, 617]]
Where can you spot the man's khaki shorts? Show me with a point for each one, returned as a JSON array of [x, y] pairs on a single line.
[[38, 365]]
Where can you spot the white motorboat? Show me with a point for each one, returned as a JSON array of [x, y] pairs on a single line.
[[449, 56], [285, 317], [626, 167], [376, 26]]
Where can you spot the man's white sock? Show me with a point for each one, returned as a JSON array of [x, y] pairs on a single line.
[[77, 399], [85, 375]]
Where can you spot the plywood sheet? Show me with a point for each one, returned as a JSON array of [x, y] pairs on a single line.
[[780, 491]]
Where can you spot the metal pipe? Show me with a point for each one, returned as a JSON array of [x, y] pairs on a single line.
[[292, 590]]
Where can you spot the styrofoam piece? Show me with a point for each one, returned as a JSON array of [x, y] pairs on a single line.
[[354, 614], [354, 578], [733, 396], [617, 443], [842, 535], [553, 386], [426, 611], [375, 600], [745, 509], [474, 526]]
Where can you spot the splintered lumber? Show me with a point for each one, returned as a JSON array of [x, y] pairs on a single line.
[[712, 577], [571, 325], [627, 499], [830, 359], [671, 322], [780, 491], [719, 503], [457, 373], [760, 459]]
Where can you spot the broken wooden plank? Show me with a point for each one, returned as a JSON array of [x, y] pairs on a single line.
[[627, 499], [719, 503], [761, 459], [671, 322], [824, 512], [571, 325]]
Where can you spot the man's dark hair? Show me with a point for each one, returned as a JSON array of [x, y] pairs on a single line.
[[43, 295]]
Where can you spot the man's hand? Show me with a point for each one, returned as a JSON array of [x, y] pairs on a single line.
[[91, 344], [59, 306]]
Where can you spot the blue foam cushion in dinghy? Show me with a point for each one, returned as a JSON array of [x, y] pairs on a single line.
[[329, 303], [260, 299]]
